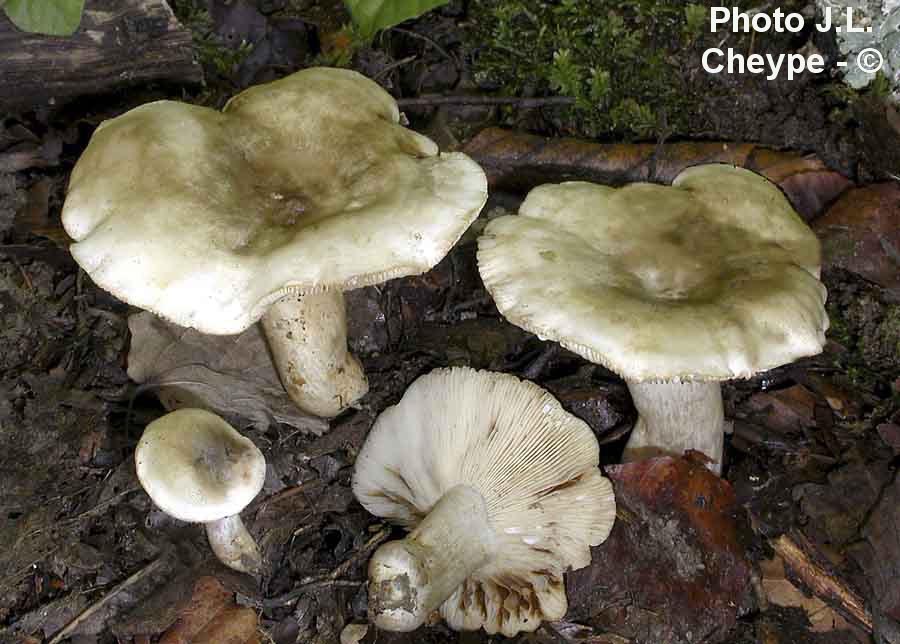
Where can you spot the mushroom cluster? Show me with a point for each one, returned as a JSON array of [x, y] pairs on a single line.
[[501, 490], [305, 187], [298, 190], [675, 288]]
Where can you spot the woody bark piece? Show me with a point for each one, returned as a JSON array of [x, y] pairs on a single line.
[[673, 568], [518, 162], [119, 42], [809, 568]]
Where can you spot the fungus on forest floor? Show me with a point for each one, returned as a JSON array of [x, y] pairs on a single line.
[[501, 490], [673, 288], [298, 190]]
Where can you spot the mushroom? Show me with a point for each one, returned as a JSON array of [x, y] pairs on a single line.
[[501, 491], [197, 468], [298, 190], [673, 288]]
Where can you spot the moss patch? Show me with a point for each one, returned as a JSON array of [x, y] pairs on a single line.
[[868, 327], [618, 60]]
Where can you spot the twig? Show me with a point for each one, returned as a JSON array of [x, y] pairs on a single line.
[[102, 505], [522, 103], [814, 575], [331, 581], [308, 584], [393, 66], [96, 606], [430, 41]]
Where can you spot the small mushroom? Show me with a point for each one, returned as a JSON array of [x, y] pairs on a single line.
[[674, 288], [501, 490], [298, 190], [197, 468]]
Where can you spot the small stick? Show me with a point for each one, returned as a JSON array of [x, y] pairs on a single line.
[[93, 608], [522, 103], [331, 580], [794, 550]]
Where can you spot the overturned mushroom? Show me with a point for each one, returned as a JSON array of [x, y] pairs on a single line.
[[298, 190], [674, 288], [197, 468], [501, 491]]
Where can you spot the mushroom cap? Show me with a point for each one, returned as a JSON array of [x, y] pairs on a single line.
[[715, 277], [300, 185], [196, 467], [535, 465]]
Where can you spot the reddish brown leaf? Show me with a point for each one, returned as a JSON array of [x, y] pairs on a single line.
[[208, 600], [231, 626], [787, 410], [519, 162], [861, 233], [890, 434], [673, 564]]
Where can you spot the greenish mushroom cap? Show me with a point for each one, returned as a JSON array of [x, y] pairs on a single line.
[[711, 278], [300, 185]]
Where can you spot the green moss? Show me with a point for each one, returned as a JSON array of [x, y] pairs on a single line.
[[218, 60], [616, 58], [869, 329]]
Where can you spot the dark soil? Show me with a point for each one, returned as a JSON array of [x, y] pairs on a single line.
[[813, 453]]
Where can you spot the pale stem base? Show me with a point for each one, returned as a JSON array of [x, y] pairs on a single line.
[[308, 338], [411, 578], [674, 417], [233, 544]]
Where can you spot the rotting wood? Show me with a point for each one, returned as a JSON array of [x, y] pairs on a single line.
[[119, 42], [812, 572], [518, 162]]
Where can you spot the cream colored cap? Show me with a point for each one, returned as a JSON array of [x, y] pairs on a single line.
[[535, 465], [196, 467], [715, 277], [303, 184]]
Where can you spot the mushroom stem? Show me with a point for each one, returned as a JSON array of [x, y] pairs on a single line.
[[233, 544], [677, 416], [411, 578], [308, 338]]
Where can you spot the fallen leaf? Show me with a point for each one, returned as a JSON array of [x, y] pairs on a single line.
[[861, 234], [890, 434], [882, 544], [232, 376], [673, 568], [780, 591], [209, 599], [235, 625], [785, 410], [518, 162], [803, 563]]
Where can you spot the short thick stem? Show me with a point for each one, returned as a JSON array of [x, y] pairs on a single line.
[[675, 417], [233, 544], [411, 578], [308, 338]]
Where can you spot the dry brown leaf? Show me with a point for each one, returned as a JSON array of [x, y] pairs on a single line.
[[804, 563], [780, 591], [235, 625], [209, 598], [519, 162], [861, 233], [232, 376]]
